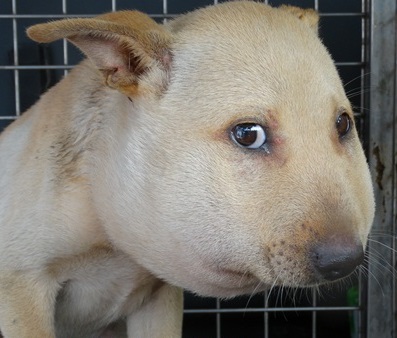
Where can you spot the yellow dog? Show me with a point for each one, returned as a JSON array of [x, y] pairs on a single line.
[[216, 153]]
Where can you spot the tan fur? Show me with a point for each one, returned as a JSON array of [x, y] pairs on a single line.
[[309, 16], [122, 184], [122, 45]]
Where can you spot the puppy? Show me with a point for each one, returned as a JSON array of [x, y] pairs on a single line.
[[216, 153]]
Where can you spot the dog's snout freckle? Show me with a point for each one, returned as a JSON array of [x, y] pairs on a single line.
[[277, 140]]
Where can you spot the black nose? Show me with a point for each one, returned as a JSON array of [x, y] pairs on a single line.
[[337, 258]]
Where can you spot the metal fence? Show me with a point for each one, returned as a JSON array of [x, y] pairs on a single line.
[[361, 36]]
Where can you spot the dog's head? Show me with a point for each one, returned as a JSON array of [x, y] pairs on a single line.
[[237, 165]]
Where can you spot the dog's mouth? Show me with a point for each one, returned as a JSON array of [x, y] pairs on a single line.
[[230, 282], [235, 273], [235, 280]]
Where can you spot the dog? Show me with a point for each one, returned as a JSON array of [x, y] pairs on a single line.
[[215, 153]]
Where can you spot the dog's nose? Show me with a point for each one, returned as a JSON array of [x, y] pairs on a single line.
[[336, 258]]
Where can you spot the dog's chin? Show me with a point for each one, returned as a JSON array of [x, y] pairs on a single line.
[[227, 283]]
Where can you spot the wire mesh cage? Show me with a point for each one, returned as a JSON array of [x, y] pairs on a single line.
[[361, 37]]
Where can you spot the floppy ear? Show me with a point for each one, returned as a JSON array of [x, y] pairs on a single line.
[[123, 45], [308, 16]]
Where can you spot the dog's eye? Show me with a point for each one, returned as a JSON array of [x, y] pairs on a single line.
[[249, 135], [343, 124]]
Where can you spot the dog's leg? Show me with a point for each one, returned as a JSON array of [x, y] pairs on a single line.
[[27, 306], [160, 316]]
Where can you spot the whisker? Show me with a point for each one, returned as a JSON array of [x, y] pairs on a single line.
[[354, 94], [382, 244], [317, 292], [370, 274], [377, 267], [377, 258], [271, 289], [280, 294], [295, 290], [364, 272], [379, 233], [359, 109], [252, 294], [359, 89], [374, 262], [356, 78], [308, 294]]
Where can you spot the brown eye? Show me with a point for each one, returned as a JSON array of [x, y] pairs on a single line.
[[249, 135], [343, 124]]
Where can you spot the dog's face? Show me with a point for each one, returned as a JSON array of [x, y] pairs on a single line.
[[247, 170], [225, 216]]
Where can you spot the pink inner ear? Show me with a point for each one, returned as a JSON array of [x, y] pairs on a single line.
[[106, 54]]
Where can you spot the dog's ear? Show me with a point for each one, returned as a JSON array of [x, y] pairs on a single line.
[[308, 16], [123, 45]]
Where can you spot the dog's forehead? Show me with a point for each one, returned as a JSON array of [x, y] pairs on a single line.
[[247, 49]]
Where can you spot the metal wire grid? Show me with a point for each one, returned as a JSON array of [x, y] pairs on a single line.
[[218, 310]]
